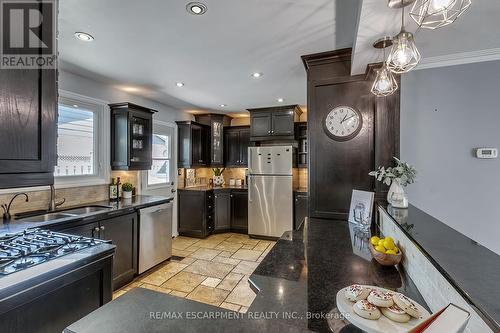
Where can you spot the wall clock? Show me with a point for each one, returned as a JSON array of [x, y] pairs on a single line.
[[343, 123]]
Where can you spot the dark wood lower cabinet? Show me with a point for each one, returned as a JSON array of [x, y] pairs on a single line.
[[204, 212], [195, 215], [57, 302], [222, 211], [239, 211], [122, 232]]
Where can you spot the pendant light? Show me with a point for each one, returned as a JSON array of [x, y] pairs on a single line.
[[404, 55], [385, 83], [433, 14]]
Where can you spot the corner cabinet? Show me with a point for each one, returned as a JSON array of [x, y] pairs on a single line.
[[236, 143], [28, 118], [131, 137], [196, 213], [273, 123], [216, 122], [193, 144]]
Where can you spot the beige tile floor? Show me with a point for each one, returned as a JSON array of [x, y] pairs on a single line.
[[213, 270]]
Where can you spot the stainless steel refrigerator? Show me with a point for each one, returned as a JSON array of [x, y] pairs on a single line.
[[270, 198]]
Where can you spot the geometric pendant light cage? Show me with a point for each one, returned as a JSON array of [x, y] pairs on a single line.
[[404, 55], [433, 14], [385, 83]]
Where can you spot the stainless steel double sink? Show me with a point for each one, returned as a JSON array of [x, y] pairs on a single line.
[[72, 212]]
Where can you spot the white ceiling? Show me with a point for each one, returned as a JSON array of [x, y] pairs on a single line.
[[475, 31], [150, 45]]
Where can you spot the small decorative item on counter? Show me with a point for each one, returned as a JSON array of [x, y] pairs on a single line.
[[218, 178], [385, 251], [118, 189], [232, 182], [127, 189], [397, 178], [239, 182], [113, 194]]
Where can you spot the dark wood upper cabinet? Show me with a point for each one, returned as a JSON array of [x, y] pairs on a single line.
[[301, 137], [28, 132], [193, 144], [131, 136], [216, 123], [273, 123], [236, 142]]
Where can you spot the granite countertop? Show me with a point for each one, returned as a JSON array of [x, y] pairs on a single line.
[[296, 286], [471, 268], [213, 188], [136, 202]]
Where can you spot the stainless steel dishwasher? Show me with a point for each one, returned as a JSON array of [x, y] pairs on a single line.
[[155, 235]]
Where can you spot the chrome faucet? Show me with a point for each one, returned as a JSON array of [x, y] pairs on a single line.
[[6, 208], [53, 204]]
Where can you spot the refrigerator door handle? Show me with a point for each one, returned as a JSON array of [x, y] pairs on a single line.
[[250, 189]]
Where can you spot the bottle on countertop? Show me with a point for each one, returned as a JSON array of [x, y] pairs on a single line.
[[112, 190], [118, 189]]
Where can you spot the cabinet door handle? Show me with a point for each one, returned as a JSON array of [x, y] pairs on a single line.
[[268, 132], [95, 232], [102, 228]]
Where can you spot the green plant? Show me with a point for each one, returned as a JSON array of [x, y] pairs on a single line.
[[403, 173], [127, 187], [218, 171]]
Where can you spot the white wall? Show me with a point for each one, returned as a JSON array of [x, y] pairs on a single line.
[[445, 114], [90, 88], [98, 90]]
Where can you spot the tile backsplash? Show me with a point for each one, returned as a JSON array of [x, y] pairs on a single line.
[[73, 195]]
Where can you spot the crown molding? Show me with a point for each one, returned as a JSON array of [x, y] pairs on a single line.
[[460, 58]]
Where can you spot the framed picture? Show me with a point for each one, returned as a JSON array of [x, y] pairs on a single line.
[[361, 208]]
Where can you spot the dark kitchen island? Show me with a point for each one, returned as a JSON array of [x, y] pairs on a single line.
[[296, 285]]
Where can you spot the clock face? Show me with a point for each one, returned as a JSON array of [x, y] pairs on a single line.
[[343, 123]]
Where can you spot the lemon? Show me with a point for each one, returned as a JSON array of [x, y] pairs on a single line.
[[380, 248], [380, 242], [396, 249], [390, 252], [389, 244], [390, 238], [374, 240]]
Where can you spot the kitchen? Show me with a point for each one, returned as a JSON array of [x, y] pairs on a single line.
[[164, 164]]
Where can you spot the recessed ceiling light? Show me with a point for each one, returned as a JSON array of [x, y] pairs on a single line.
[[257, 75], [196, 8], [83, 36], [223, 105], [179, 84], [130, 89], [280, 100]]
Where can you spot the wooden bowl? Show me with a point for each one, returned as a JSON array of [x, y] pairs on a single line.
[[386, 259]]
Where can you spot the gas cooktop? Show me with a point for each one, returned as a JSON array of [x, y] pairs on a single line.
[[34, 246]]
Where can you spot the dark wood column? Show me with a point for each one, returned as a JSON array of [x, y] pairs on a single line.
[[338, 167]]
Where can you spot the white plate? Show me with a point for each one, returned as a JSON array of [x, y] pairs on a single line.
[[381, 325]]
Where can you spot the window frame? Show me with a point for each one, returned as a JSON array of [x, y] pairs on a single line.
[[102, 170], [172, 160]]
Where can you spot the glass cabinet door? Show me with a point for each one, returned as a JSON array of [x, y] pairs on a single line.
[[140, 140]]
